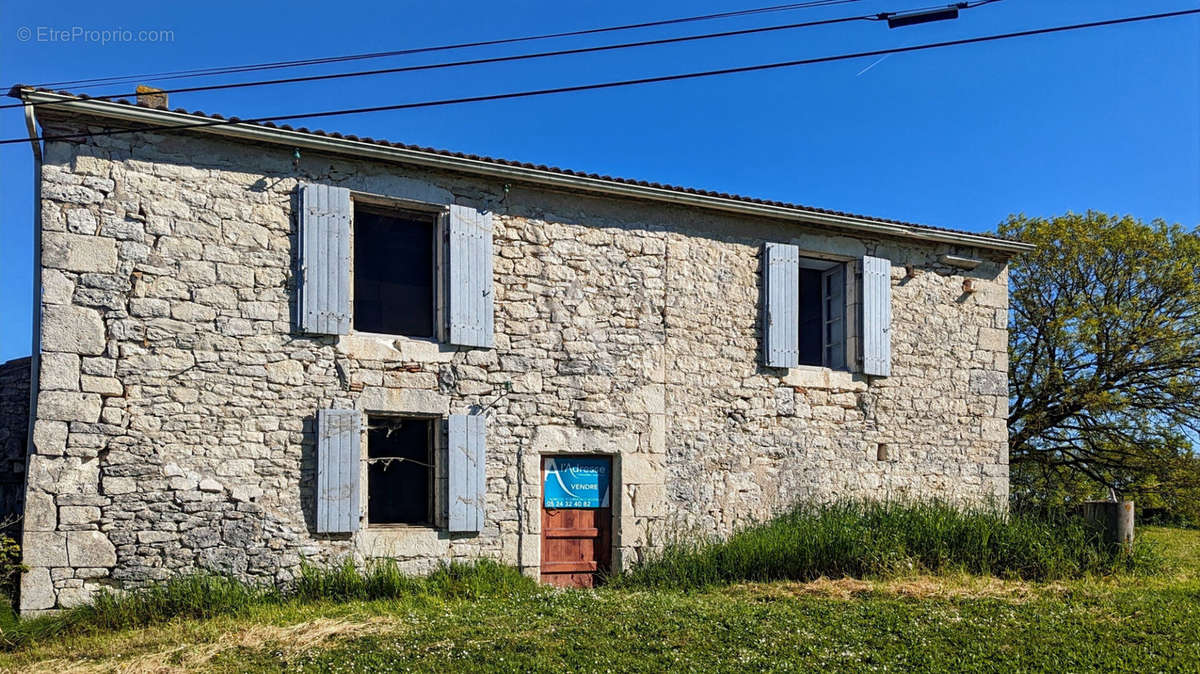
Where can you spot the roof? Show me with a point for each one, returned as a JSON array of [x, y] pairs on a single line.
[[552, 176]]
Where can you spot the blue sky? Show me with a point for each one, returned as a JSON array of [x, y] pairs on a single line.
[[1106, 119]]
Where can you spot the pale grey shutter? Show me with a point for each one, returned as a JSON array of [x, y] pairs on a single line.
[[470, 277], [781, 305], [466, 472], [339, 453], [323, 289], [877, 316], [833, 284]]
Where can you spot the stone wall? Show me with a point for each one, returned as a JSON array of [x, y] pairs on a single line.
[[14, 432], [176, 406]]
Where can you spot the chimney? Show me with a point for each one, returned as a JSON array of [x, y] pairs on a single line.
[[151, 98]]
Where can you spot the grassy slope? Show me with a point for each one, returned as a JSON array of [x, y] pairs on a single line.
[[956, 623]]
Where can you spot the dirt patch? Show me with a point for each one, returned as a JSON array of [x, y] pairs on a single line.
[[287, 639]]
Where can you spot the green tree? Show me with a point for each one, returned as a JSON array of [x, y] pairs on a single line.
[[1104, 358]]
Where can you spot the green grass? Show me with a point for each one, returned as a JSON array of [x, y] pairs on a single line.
[[1085, 625], [207, 596], [487, 618], [1180, 548], [880, 539], [699, 632]]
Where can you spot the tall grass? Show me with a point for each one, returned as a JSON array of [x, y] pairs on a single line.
[[208, 595], [382, 579], [870, 538], [859, 539]]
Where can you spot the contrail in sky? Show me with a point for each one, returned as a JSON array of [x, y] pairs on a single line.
[[881, 60]]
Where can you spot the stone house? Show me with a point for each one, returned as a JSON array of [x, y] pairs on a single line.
[[258, 344]]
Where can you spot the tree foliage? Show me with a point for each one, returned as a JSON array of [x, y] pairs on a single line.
[[1104, 358]]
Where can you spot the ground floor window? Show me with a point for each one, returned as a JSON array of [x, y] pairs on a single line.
[[400, 453]]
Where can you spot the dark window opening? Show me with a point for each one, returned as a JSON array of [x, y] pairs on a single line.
[[812, 322], [393, 272], [822, 310], [400, 471]]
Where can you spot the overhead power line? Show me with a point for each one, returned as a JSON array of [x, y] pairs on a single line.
[[621, 83], [223, 70], [482, 61], [518, 57]]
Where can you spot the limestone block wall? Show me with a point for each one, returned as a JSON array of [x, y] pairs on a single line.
[[176, 403]]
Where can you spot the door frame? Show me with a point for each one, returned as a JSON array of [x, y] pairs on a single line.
[[615, 502]]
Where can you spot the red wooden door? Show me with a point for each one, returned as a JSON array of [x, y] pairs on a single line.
[[576, 544]]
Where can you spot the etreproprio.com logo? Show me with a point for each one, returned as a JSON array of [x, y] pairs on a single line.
[[100, 36]]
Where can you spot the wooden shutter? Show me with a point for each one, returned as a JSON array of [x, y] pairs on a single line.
[[470, 277], [781, 305], [466, 472], [339, 454], [877, 316], [323, 295], [833, 286]]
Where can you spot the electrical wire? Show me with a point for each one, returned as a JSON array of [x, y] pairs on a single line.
[[621, 83], [518, 57], [202, 72], [482, 61]]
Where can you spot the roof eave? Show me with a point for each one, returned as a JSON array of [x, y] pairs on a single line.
[[358, 148]]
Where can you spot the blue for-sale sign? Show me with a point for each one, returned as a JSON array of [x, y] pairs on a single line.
[[577, 482]]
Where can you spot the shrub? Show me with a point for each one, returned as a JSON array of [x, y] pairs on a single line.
[[866, 538], [11, 567]]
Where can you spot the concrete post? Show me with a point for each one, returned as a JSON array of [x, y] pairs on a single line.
[[1115, 518]]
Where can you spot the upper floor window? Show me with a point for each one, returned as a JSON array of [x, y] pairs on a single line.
[[406, 268], [807, 306], [394, 272], [822, 313]]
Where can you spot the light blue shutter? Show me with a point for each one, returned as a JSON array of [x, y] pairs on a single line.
[[466, 472], [833, 283], [339, 453], [470, 277], [323, 300], [781, 305], [877, 316]]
